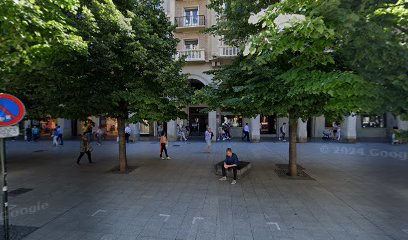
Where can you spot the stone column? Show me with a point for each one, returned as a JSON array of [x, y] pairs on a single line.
[[172, 130], [65, 124], [26, 124], [155, 133], [212, 123], [401, 124], [302, 131], [255, 129], [135, 136], [319, 126], [172, 10], [349, 129]]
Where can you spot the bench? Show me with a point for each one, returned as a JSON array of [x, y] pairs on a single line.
[[243, 169]]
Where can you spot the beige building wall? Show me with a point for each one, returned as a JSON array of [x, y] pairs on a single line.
[[182, 4], [210, 44], [215, 56]]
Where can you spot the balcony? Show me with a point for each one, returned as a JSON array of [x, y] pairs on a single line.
[[188, 22], [192, 55], [227, 51]]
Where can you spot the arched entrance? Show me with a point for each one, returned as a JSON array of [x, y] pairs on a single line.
[[196, 84], [197, 120]]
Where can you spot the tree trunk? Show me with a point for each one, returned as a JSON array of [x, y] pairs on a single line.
[[122, 145], [292, 146]]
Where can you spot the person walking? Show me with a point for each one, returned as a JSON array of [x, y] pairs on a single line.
[[29, 134], [338, 132], [245, 130], [88, 129], [128, 131], [334, 130], [36, 133], [220, 133], [60, 132], [208, 136], [183, 133], [227, 131], [159, 130], [282, 130], [163, 146], [99, 135], [54, 136], [178, 132], [85, 148]]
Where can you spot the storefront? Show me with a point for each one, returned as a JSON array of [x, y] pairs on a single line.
[[110, 125], [268, 124], [235, 122], [198, 121], [45, 126]]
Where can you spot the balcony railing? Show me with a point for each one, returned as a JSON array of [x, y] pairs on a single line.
[[190, 21], [192, 55], [227, 51]]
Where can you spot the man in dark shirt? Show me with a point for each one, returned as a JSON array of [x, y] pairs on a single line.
[[230, 162]]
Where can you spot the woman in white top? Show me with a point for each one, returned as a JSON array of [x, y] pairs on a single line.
[[208, 136], [338, 132]]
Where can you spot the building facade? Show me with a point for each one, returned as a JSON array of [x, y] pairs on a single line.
[[204, 52]]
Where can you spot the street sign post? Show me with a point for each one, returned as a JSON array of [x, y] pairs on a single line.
[[12, 111]]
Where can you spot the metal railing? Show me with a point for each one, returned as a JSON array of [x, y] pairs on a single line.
[[190, 21], [192, 54]]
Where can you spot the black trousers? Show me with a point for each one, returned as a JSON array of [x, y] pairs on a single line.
[[60, 139], [283, 135], [127, 135], [88, 153], [234, 169], [163, 148], [246, 135]]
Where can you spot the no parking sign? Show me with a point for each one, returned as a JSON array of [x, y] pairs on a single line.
[[12, 111]]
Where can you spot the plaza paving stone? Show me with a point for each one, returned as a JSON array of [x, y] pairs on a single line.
[[360, 192]]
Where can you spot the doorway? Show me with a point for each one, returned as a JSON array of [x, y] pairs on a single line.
[[198, 121]]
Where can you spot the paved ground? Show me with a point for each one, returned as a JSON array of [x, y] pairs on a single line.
[[360, 192]]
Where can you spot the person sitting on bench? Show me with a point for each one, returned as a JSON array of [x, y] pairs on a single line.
[[230, 162]]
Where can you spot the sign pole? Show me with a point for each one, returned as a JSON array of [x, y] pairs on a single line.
[[5, 192], [12, 111]]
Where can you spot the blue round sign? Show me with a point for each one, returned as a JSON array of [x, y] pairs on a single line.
[[12, 110]]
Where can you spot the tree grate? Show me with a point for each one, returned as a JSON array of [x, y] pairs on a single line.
[[116, 170], [282, 171], [17, 232], [19, 191], [41, 150]]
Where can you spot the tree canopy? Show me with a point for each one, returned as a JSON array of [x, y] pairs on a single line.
[[328, 39], [33, 36], [91, 57], [308, 58]]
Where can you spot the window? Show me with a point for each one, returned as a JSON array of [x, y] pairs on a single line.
[[191, 17], [191, 44], [373, 121]]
